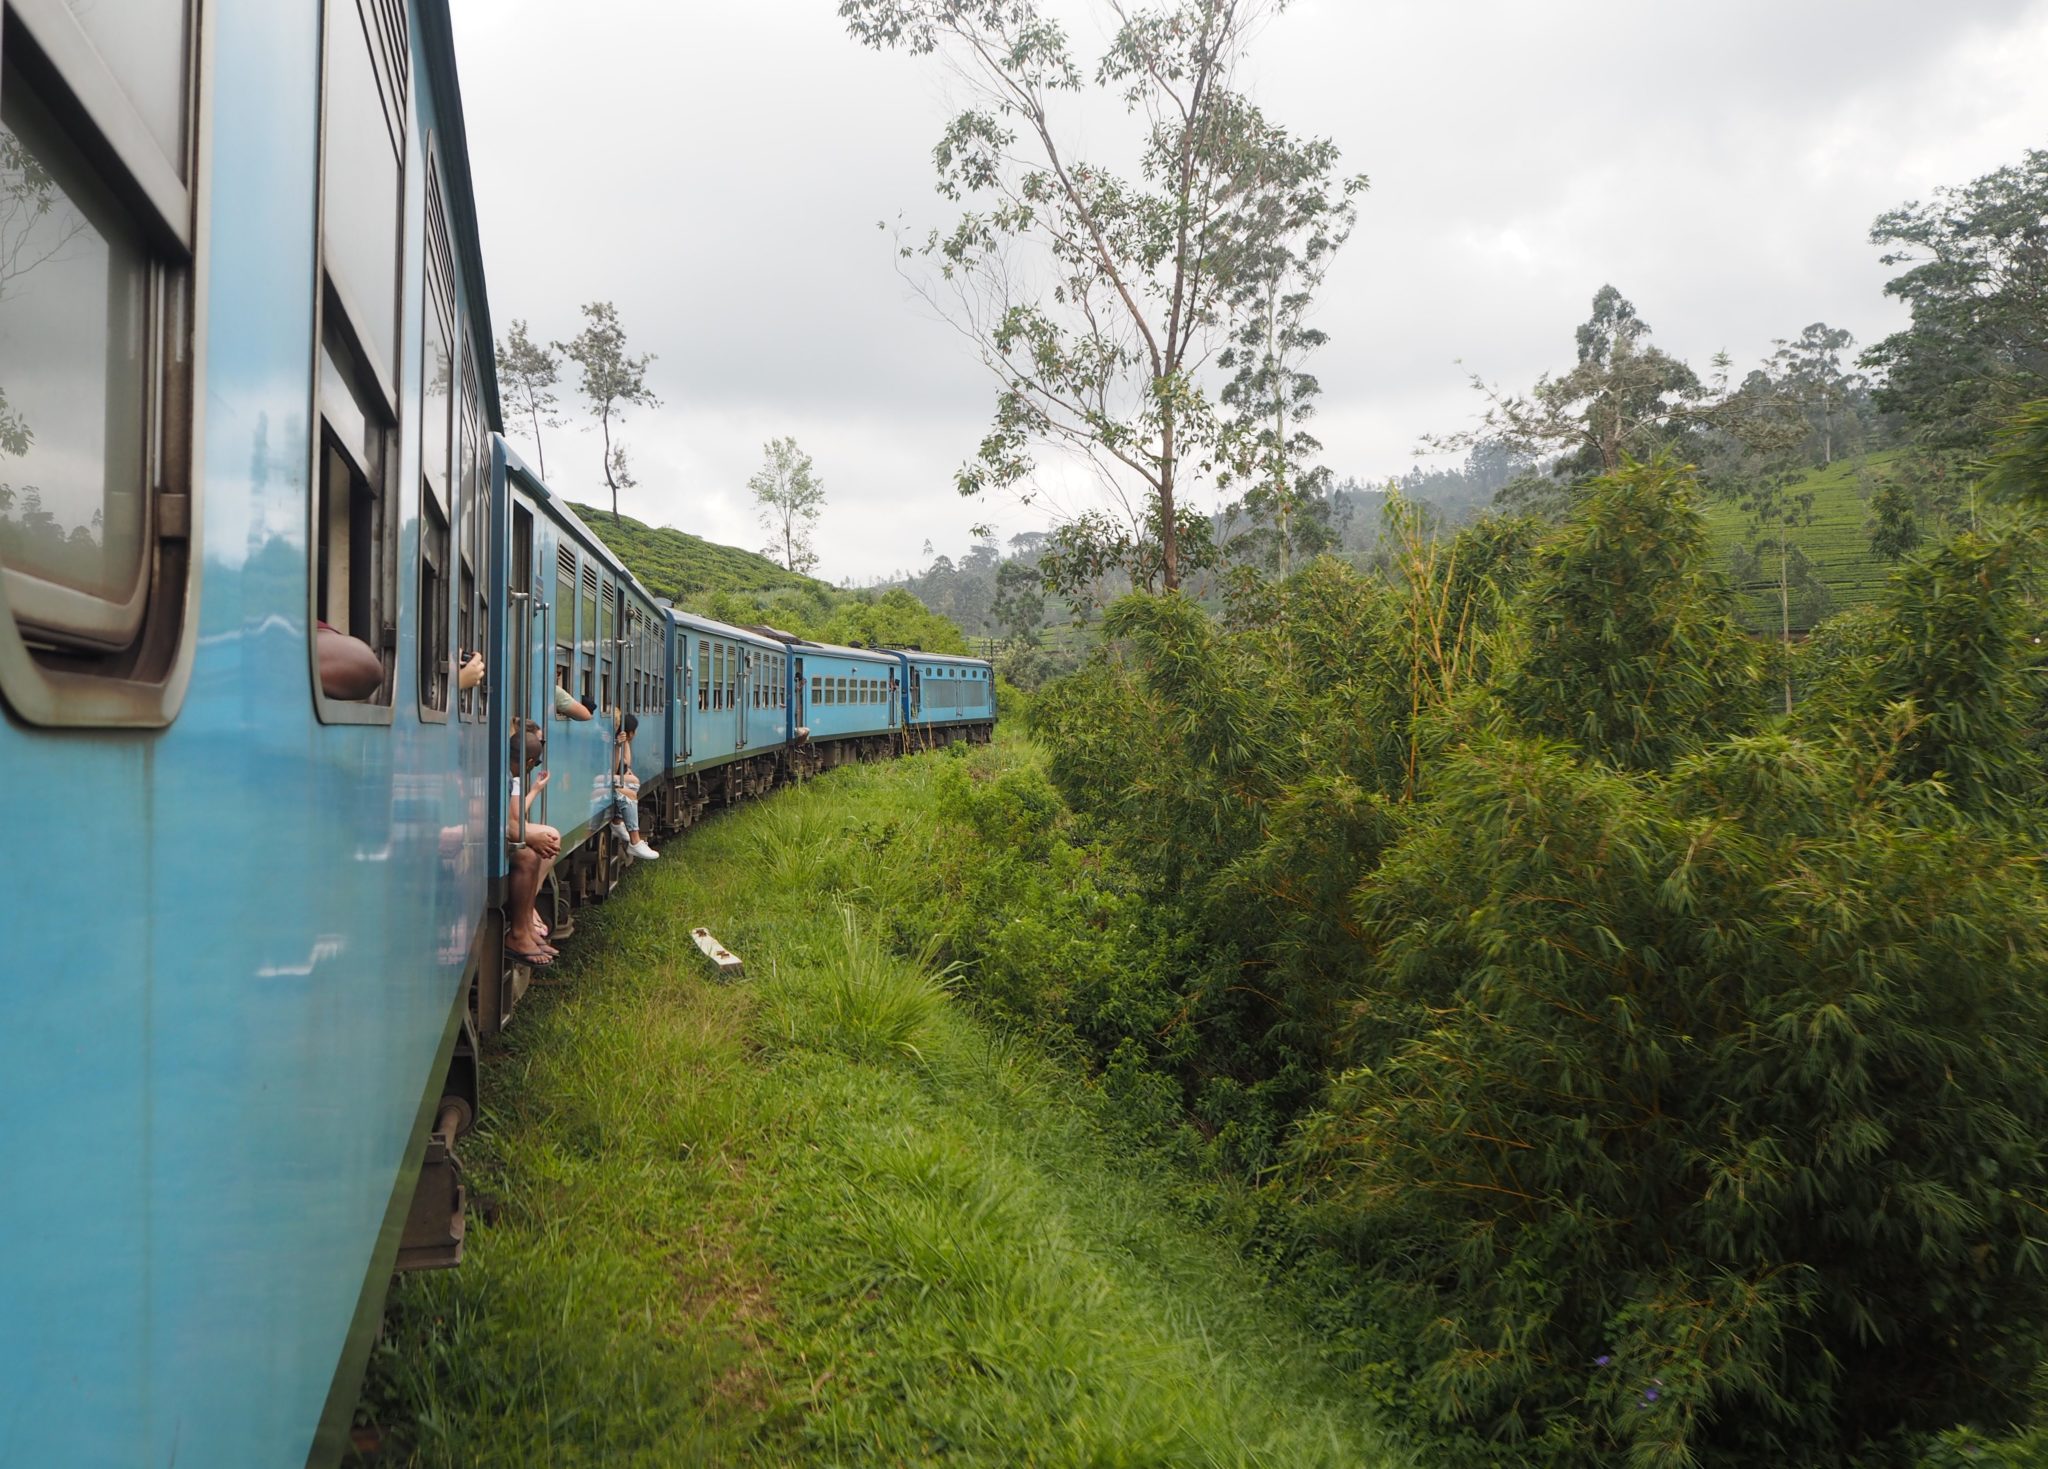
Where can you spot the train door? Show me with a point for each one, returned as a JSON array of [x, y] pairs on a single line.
[[740, 705], [916, 692], [525, 635], [678, 695], [895, 699]]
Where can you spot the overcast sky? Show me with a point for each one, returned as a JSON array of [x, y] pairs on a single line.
[[718, 169]]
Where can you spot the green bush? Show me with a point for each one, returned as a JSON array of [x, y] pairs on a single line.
[[1724, 1138]]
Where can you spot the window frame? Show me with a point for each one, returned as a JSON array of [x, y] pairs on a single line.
[[470, 445], [565, 631], [333, 308], [607, 641], [437, 309], [139, 682]]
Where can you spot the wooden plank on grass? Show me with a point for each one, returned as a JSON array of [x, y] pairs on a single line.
[[723, 959]]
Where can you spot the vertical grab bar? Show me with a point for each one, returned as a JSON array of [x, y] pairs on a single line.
[[522, 700]]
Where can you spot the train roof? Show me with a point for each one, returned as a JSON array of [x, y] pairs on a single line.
[[702, 623], [963, 660], [846, 650]]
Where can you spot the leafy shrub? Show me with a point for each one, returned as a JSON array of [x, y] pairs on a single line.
[[1721, 1140]]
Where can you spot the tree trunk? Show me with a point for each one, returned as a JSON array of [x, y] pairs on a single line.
[[1169, 537], [606, 422], [1279, 431], [1785, 612]]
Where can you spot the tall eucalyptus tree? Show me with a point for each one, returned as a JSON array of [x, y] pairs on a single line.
[[1100, 291]]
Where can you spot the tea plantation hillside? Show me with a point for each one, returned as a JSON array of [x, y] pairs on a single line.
[[1837, 542], [682, 567]]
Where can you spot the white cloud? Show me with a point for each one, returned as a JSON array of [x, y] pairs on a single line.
[[718, 171]]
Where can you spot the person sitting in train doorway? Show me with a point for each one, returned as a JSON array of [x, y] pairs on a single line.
[[528, 862], [626, 791]]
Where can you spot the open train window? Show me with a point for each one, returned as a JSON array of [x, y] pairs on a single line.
[[98, 349], [355, 589], [475, 526], [565, 621], [362, 178], [433, 612], [437, 380], [703, 675], [586, 636]]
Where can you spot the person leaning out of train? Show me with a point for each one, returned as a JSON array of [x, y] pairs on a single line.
[[568, 706], [626, 791], [529, 860], [349, 667]]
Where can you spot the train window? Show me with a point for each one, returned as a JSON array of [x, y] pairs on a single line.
[[629, 661], [732, 677], [356, 529], [362, 170], [361, 181], [102, 235], [476, 604], [607, 634], [565, 620], [703, 674], [433, 611], [586, 636], [436, 403]]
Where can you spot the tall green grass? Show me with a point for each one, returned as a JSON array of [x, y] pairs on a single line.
[[826, 1215]]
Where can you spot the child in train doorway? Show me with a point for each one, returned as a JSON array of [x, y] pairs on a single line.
[[626, 791]]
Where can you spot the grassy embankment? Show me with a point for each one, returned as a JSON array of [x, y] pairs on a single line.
[[1838, 541], [826, 1215]]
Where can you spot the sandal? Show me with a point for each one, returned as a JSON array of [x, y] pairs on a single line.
[[532, 960]]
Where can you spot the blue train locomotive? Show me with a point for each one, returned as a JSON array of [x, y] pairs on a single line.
[[275, 596]]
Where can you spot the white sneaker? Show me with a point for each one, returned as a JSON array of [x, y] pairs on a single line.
[[644, 852], [619, 831]]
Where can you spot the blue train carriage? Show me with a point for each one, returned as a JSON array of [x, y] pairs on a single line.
[[579, 645], [946, 698], [248, 382], [846, 704], [729, 716]]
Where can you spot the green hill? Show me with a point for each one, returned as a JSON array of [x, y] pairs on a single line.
[[687, 568], [1837, 541], [739, 587]]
